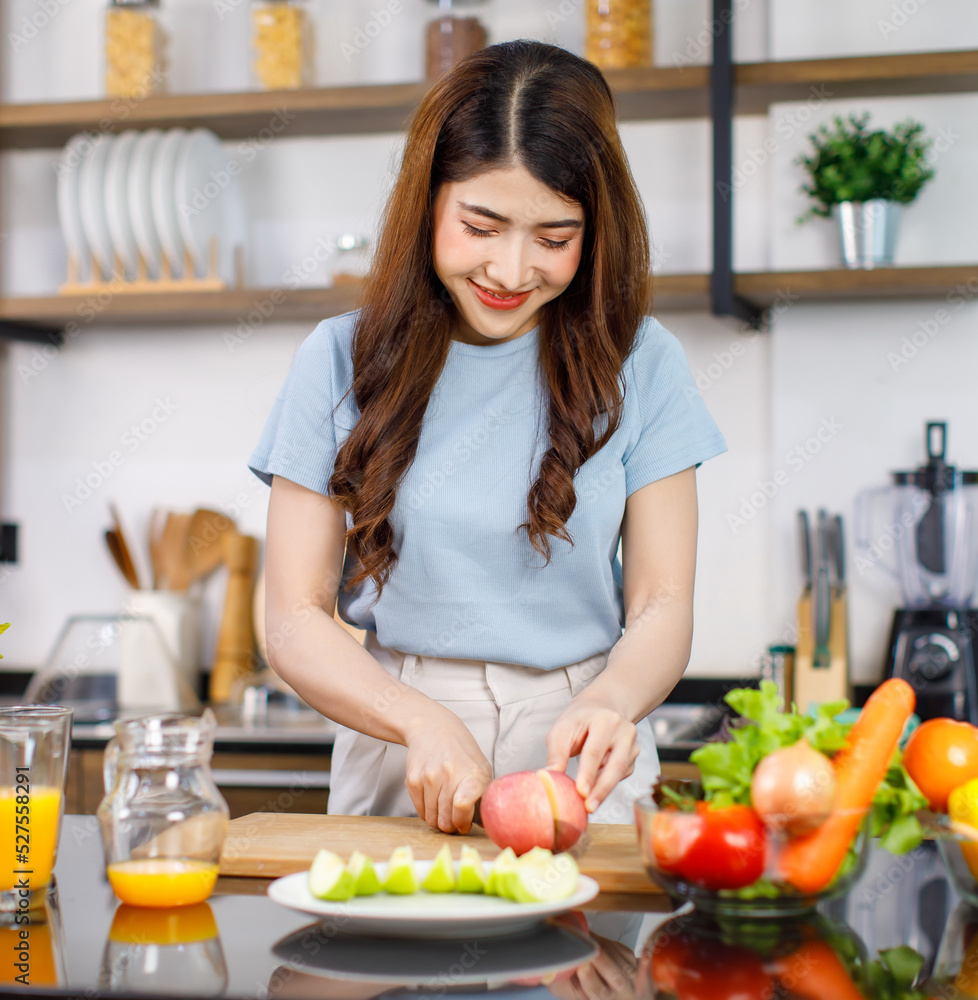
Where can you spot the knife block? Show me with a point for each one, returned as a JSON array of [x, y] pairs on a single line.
[[814, 685], [235, 655]]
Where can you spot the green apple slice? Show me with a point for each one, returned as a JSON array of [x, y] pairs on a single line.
[[401, 878], [536, 881], [537, 855], [504, 863], [441, 878], [329, 878], [365, 881], [472, 872]]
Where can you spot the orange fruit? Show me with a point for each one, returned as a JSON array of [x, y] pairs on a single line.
[[940, 755]]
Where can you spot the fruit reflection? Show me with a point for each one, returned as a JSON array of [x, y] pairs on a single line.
[[695, 957]]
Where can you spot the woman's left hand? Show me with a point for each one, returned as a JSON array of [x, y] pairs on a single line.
[[605, 739]]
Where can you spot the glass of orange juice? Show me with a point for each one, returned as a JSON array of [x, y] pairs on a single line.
[[35, 741], [163, 819]]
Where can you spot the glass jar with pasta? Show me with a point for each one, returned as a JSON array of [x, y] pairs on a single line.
[[282, 44], [135, 44], [618, 33]]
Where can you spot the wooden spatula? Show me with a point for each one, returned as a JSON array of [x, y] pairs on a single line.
[[172, 552], [205, 542]]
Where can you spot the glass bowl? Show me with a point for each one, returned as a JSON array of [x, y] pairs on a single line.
[[665, 828], [960, 856]]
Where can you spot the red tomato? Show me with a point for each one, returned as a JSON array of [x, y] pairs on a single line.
[[673, 835], [714, 848]]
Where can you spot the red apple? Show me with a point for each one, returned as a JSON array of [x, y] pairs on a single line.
[[533, 809], [568, 808], [516, 812]]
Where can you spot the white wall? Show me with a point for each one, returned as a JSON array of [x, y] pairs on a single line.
[[61, 414]]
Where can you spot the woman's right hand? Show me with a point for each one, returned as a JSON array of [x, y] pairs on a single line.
[[446, 772]]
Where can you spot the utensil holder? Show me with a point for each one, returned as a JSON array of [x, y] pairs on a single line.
[[160, 667]]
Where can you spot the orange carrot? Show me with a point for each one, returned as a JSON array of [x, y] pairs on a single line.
[[810, 862], [814, 971]]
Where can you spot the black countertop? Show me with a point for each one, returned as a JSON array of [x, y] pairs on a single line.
[[241, 944]]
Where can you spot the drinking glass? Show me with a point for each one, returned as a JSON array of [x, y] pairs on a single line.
[[34, 744]]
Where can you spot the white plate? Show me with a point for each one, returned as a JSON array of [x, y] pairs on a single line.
[[141, 199], [163, 193], [69, 208], [117, 201], [426, 914], [208, 198], [91, 194], [542, 952]]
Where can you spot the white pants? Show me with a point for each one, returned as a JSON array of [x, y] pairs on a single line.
[[509, 710]]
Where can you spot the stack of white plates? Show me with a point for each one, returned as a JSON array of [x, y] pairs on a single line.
[[155, 193]]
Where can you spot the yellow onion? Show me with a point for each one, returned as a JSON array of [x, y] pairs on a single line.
[[793, 788]]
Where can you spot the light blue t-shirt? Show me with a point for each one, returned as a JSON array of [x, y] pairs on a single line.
[[467, 583]]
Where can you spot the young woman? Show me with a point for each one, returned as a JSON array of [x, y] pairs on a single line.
[[459, 460]]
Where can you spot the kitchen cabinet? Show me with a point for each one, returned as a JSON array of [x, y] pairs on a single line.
[[652, 93], [296, 782], [253, 781]]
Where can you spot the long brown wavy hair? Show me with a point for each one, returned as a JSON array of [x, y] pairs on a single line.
[[543, 108]]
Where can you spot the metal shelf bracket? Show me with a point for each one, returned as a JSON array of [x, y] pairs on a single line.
[[31, 334], [723, 300]]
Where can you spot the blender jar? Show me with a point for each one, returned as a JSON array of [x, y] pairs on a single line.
[[923, 530]]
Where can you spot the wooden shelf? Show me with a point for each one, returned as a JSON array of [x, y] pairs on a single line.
[[673, 293], [759, 85], [764, 289], [265, 115], [643, 94], [165, 309]]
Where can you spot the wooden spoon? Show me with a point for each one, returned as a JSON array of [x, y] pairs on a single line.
[[125, 558], [118, 555], [157, 518]]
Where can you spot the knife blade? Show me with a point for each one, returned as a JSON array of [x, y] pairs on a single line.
[[822, 658], [838, 552], [805, 538]]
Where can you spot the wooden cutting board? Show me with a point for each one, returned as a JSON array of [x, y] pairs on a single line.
[[267, 845]]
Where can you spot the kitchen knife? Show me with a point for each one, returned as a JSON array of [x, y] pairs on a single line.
[[838, 552], [805, 537], [821, 657]]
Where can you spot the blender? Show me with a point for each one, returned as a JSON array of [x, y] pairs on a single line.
[[926, 522]]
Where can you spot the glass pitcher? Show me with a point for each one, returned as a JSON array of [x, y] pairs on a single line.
[[163, 819]]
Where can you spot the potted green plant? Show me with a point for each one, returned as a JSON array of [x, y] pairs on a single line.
[[862, 178]]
